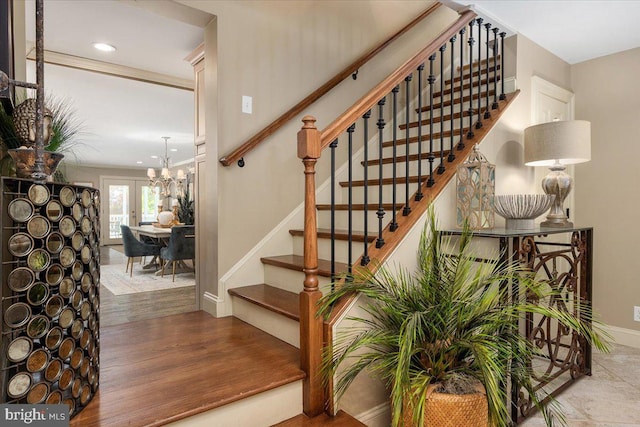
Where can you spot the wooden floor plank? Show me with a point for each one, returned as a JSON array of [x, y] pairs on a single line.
[[161, 370]]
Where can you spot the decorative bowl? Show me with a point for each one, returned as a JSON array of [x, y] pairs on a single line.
[[520, 210]]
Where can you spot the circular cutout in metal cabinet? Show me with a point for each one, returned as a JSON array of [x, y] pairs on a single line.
[[54, 338], [19, 349], [38, 194], [17, 315], [85, 197], [20, 210], [85, 254], [67, 226], [85, 282], [54, 275], [67, 256], [66, 318], [66, 348], [77, 241], [76, 329], [37, 360], [67, 286], [55, 242], [38, 326], [37, 293], [19, 385], [85, 225], [77, 212], [38, 226], [67, 196], [20, 244], [66, 379], [54, 398], [38, 393], [77, 270], [53, 370], [54, 210], [20, 279], [54, 305], [38, 260]]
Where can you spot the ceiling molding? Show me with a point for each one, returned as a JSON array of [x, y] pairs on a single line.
[[176, 11], [122, 71]]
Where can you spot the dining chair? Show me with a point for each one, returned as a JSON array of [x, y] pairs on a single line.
[[181, 246], [135, 248]]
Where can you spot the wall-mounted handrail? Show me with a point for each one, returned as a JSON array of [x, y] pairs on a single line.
[[367, 102], [294, 111]]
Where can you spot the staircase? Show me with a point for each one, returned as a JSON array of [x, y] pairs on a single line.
[[390, 156]]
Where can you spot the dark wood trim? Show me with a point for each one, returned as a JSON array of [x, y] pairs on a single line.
[[367, 102], [325, 233], [296, 263], [294, 111]]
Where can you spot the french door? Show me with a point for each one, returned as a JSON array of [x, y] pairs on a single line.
[[128, 202]]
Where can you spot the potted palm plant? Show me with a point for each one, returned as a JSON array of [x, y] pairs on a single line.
[[444, 339]]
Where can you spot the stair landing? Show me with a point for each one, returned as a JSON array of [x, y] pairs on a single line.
[[157, 371]]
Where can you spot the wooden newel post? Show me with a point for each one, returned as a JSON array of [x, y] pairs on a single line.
[[309, 149]]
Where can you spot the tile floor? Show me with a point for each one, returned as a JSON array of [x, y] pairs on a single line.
[[609, 398]]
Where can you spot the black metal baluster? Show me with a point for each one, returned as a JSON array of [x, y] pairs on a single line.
[[479, 122], [471, 41], [431, 157], [441, 168], [350, 131], [394, 223], [502, 95], [452, 156], [380, 212], [333, 146], [365, 257], [495, 69], [419, 194], [407, 80], [487, 112], [463, 31]]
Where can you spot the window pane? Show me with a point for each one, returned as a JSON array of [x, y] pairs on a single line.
[[118, 209], [150, 201]]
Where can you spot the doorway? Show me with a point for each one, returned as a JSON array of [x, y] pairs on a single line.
[[130, 201]]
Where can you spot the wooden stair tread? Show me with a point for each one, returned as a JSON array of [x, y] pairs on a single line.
[[483, 62], [465, 86], [342, 419], [296, 262], [356, 206], [272, 298], [456, 79], [325, 233], [436, 120]]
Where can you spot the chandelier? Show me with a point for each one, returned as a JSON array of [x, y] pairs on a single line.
[[165, 180]]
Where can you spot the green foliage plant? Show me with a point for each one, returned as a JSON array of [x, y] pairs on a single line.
[[453, 318], [186, 207]]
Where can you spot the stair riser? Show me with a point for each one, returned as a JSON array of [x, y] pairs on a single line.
[[373, 171], [324, 249], [324, 219], [279, 326], [289, 280], [262, 410]]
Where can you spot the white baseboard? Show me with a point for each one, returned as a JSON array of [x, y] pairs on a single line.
[[623, 336], [378, 416]]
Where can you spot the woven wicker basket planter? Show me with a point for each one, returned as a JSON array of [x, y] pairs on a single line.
[[453, 410]]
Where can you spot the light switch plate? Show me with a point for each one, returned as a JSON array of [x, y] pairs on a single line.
[[247, 102]]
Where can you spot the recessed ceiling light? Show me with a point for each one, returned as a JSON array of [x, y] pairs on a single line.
[[139, 162], [154, 157], [104, 47], [173, 149]]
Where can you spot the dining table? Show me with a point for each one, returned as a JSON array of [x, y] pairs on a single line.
[[161, 236]]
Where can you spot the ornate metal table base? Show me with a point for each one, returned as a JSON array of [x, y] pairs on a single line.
[[563, 259]]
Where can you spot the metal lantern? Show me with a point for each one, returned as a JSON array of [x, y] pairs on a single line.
[[475, 188]]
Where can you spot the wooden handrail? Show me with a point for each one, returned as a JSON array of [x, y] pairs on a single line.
[[255, 140], [364, 104]]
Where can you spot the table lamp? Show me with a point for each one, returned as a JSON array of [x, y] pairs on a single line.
[[557, 144]]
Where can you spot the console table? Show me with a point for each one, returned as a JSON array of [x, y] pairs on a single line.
[[563, 258]]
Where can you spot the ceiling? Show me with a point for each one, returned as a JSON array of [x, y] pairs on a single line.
[[574, 30], [123, 119]]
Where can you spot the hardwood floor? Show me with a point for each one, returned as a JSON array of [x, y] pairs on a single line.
[[118, 309], [161, 370]]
